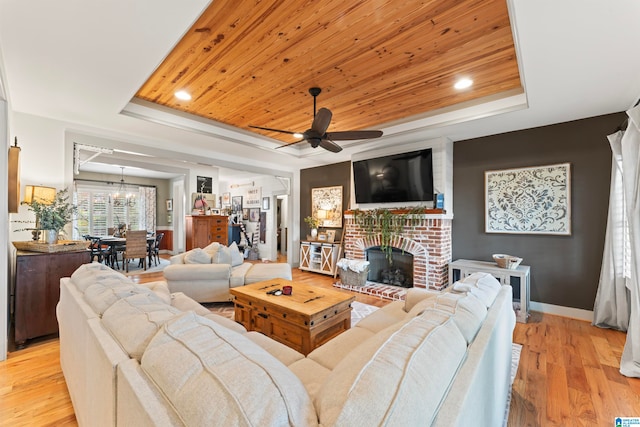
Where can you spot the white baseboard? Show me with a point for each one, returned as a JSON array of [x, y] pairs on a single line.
[[558, 310]]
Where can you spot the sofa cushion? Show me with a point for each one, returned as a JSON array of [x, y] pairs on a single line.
[[284, 354], [482, 285], [160, 288], [267, 271], [336, 349], [238, 273], [100, 296], [214, 376], [88, 274], [222, 256], [468, 311], [237, 258], [134, 320], [311, 373], [409, 370], [197, 256], [415, 295], [384, 317]]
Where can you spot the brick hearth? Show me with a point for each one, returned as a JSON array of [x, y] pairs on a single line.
[[428, 239]]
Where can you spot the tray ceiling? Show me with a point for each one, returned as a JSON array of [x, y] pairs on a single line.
[[377, 62]]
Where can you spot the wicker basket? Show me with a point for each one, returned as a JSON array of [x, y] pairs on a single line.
[[507, 261], [352, 278]]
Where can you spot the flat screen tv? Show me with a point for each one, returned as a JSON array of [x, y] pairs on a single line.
[[406, 177]]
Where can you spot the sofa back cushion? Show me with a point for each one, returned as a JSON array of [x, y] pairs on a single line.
[[88, 274], [237, 258], [214, 376], [467, 311], [396, 378], [104, 293], [483, 285], [197, 256], [134, 320]]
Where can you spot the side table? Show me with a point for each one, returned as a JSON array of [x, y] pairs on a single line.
[[517, 278]]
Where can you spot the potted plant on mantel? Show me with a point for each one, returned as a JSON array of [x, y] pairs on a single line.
[[52, 218]]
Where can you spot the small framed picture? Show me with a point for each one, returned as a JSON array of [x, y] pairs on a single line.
[[245, 214], [265, 203], [236, 204], [226, 199], [254, 214], [322, 237], [331, 236], [169, 204]]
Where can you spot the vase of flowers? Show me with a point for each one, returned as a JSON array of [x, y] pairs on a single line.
[[313, 225], [53, 217]]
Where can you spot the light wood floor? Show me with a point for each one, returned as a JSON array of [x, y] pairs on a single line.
[[568, 374]]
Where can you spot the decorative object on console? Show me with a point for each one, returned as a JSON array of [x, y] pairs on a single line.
[[326, 206], [507, 261], [52, 215], [533, 200], [312, 222]]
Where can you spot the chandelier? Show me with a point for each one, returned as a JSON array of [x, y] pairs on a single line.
[[128, 199]]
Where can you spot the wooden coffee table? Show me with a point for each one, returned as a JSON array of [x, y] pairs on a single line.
[[304, 320]]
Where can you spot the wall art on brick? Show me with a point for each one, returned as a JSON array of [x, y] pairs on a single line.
[[533, 200]]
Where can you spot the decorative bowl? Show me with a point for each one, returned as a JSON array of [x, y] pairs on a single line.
[[507, 261]]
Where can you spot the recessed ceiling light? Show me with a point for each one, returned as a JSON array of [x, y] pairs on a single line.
[[183, 95], [463, 83]]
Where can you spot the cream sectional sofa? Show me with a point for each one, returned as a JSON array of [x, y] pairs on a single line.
[[139, 355], [207, 274]]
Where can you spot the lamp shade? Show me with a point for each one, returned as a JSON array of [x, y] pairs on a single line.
[[35, 193]]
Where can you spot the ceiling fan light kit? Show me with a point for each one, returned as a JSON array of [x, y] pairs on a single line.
[[317, 135]]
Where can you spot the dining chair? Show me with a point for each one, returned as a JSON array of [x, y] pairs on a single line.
[[154, 251], [135, 247]]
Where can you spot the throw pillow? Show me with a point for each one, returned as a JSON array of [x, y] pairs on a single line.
[[197, 256], [223, 256], [236, 257]]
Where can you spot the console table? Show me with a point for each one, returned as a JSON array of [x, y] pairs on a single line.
[[37, 290], [318, 256], [517, 278]]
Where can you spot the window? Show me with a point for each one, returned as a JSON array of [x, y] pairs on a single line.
[[100, 208]]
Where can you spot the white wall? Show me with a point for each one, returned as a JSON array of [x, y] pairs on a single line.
[[5, 250]]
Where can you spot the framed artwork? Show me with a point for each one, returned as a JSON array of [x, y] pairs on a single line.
[[204, 184], [245, 214], [331, 236], [236, 204], [322, 237], [265, 203], [253, 197], [169, 204], [326, 206], [226, 199], [533, 200], [200, 202], [254, 214]]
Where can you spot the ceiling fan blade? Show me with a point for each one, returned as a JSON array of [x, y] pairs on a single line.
[[321, 121], [330, 146], [353, 134], [291, 143], [273, 130]]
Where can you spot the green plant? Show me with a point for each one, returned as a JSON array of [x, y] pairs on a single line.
[[312, 222], [53, 216], [387, 222]]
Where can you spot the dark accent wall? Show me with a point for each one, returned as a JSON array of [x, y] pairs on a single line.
[[564, 269], [323, 176]]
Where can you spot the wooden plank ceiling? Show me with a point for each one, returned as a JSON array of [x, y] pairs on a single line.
[[377, 61]]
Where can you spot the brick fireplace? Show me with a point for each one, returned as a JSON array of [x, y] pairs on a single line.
[[428, 239]]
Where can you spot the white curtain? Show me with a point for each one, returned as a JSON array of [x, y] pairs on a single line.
[[611, 308], [148, 207], [630, 362], [612, 300]]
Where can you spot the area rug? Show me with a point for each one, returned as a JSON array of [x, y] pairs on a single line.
[[394, 293], [359, 312], [516, 349], [152, 268]]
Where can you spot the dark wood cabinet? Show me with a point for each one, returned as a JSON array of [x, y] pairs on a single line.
[[205, 229], [37, 291]]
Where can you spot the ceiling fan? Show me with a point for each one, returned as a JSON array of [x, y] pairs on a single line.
[[317, 135]]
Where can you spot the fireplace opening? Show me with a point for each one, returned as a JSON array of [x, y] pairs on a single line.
[[398, 272]]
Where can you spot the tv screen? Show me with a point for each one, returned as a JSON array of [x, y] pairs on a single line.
[[406, 177]]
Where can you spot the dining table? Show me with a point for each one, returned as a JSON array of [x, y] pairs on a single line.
[[121, 243]]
